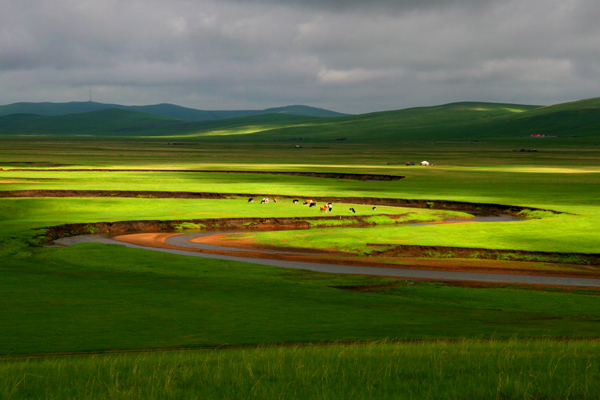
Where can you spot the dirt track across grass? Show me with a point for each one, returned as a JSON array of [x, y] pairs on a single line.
[[331, 175]]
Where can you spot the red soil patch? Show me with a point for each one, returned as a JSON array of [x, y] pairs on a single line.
[[158, 240]]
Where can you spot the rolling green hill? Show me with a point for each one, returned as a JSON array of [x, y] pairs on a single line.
[[100, 123], [166, 110], [125, 123], [456, 122], [579, 121], [446, 122]]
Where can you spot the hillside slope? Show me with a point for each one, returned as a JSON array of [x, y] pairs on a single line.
[[569, 122], [103, 122], [166, 110], [465, 121]]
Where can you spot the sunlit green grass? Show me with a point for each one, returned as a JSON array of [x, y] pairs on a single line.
[[21, 214], [557, 185], [552, 234]]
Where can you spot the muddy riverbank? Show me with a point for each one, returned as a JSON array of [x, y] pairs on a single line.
[[264, 224], [438, 270]]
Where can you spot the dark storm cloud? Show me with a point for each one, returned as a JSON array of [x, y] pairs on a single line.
[[350, 56], [368, 6]]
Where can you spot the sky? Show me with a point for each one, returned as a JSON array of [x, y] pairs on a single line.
[[351, 56]]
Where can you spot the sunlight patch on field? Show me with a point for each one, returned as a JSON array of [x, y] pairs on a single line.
[[528, 169], [281, 167], [245, 130], [253, 166], [514, 110], [229, 132], [560, 170]]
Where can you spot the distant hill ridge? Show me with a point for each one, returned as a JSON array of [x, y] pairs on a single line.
[[165, 110], [455, 122]]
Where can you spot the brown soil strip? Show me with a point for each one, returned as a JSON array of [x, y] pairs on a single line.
[[33, 164], [158, 240], [415, 261], [332, 175], [113, 193]]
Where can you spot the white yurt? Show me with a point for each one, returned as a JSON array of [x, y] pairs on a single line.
[[425, 163]]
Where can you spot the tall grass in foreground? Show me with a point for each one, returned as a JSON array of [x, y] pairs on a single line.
[[448, 370]]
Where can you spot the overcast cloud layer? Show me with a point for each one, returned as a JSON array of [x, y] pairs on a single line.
[[349, 56]]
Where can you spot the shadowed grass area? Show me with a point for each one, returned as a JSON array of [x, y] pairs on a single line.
[[460, 370], [99, 297]]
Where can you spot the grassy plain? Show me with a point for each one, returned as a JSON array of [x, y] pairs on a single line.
[[97, 297], [101, 297], [438, 370], [87, 274]]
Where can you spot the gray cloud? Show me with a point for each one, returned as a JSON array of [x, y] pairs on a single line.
[[340, 55]]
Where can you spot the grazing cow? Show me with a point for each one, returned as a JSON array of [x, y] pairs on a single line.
[[263, 201], [275, 199], [307, 202], [374, 208], [312, 205], [295, 201], [352, 210], [330, 206], [251, 200], [324, 208]]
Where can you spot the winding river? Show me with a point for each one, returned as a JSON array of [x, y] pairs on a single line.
[[185, 240]]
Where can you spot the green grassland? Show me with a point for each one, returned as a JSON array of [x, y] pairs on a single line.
[[439, 370], [574, 190], [94, 297], [573, 124], [18, 216]]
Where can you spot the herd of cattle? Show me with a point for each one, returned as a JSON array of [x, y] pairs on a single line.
[[326, 208]]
